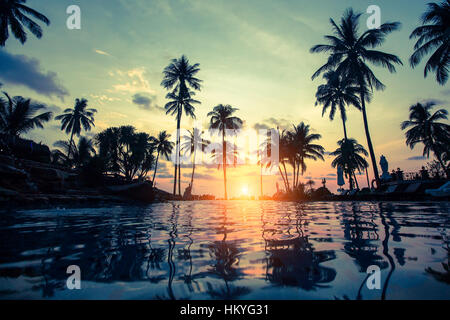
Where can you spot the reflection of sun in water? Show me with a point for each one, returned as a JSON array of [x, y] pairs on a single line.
[[244, 190]]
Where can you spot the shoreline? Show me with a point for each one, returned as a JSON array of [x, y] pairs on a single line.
[[44, 202]]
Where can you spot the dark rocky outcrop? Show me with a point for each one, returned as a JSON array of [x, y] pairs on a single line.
[[26, 182]]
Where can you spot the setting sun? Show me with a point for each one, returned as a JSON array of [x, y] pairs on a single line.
[[244, 190]]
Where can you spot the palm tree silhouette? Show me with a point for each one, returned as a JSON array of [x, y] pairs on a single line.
[[180, 76], [337, 92], [349, 54], [348, 156], [18, 115], [433, 34], [81, 153], [163, 147], [175, 106], [222, 119], [73, 119], [425, 128], [194, 141], [13, 15], [301, 147]]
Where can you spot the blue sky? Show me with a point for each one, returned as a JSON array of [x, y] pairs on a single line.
[[253, 54]]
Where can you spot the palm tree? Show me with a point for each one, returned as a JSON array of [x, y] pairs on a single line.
[[180, 76], [194, 141], [18, 115], [222, 119], [302, 148], [336, 93], [13, 15], [434, 34], [163, 147], [348, 156], [178, 102], [425, 128], [310, 183], [81, 153], [73, 119], [349, 54]]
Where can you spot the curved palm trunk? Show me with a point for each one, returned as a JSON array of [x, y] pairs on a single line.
[[356, 180], [224, 163], [154, 173], [70, 146], [282, 176], [369, 142]]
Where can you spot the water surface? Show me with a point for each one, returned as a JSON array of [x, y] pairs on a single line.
[[228, 250]]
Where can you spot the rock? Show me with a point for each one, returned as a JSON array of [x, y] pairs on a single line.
[[48, 174], [7, 171], [8, 160], [8, 193]]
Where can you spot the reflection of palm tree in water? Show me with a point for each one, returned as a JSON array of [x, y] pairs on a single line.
[[293, 261], [173, 235], [361, 231], [386, 246], [445, 275], [185, 253], [226, 257]]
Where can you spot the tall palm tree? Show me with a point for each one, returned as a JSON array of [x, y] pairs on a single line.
[[73, 119], [302, 147], [177, 103], [349, 53], [163, 147], [18, 115], [338, 92], [348, 157], [193, 142], [13, 15], [425, 128], [222, 119], [179, 75], [434, 34]]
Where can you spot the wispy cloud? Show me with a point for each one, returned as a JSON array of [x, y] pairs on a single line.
[[104, 53], [133, 81], [416, 158]]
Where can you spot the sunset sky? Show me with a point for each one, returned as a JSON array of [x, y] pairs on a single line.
[[253, 55]]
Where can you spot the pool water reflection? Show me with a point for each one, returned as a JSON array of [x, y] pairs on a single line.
[[228, 250]]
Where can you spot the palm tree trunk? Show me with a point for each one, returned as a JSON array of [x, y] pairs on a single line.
[[70, 146], [367, 176], [369, 142], [179, 165], [287, 178], [345, 129], [356, 180], [176, 155], [294, 176], [224, 163], [154, 173], [282, 176], [193, 169]]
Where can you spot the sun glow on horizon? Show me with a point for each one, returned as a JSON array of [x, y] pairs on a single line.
[[244, 190]]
